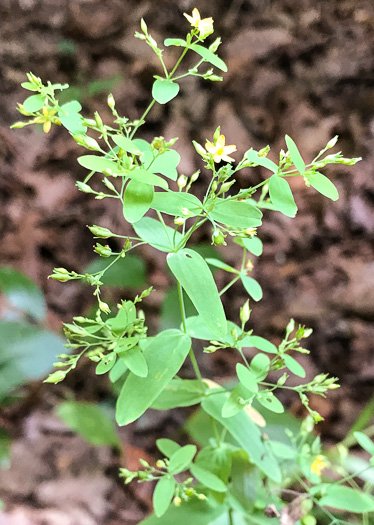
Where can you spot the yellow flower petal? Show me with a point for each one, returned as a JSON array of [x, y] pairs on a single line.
[[221, 141], [47, 126], [318, 465]]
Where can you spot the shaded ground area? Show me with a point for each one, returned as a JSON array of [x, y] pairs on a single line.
[[302, 67]]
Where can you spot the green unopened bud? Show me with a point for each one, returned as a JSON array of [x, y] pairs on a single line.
[[214, 78], [100, 232], [218, 238], [84, 187], [291, 326], [194, 176], [111, 102], [182, 181], [108, 184], [179, 221], [55, 377], [22, 110], [245, 312], [18, 125], [160, 464], [190, 492], [152, 42], [308, 520], [201, 497], [331, 143], [143, 26], [210, 349], [217, 133], [226, 186], [264, 151], [99, 122], [333, 386], [213, 47], [282, 379], [61, 274], [104, 307], [177, 501], [103, 251], [87, 142], [199, 149]]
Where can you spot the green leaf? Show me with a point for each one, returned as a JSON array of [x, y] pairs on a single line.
[[89, 421], [34, 103], [252, 287], [167, 447], [240, 427], [271, 402], [363, 440], [221, 265], [71, 107], [234, 403], [73, 123], [253, 245], [281, 196], [154, 233], [295, 155], [144, 147], [181, 459], [99, 164], [126, 144], [124, 344], [345, 498], [172, 203], [170, 309], [163, 495], [208, 56], [194, 511], [22, 292], [239, 214], [207, 478], [175, 42], [247, 378], [29, 86], [294, 366], [166, 164], [137, 200], [164, 90], [323, 185], [193, 273], [135, 361], [179, 393], [106, 364], [197, 328], [255, 341], [129, 272], [254, 157], [164, 355], [117, 371], [146, 177], [260, 365]]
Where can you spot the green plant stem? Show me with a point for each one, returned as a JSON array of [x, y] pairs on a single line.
[[141, 120], [229, 285], [231, 517], [349, 441]]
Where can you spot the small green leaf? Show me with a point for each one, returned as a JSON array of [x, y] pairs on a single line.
[[163, 495], [173, 203], [175, 42], [247, 378], [135, 361], [34, 103], [137, 200], [208, 56], [117, 371], [90, 422], [269, 401], [73, 123], [254, 157], [125, 144], [167, 446], [252, 287], [158, 236], [281, 196], [260, 365], [255, 341], [146, 177], [239, 214], [166, 164], [99, 164], [208, 479], [181, 459], [106, 364], [294, 366], [323, 185], [363, 440], [221, 265], [234, 403], [179, 393], [22, 292], [253, 245], [345, 498], [164, 90], [295, 155]]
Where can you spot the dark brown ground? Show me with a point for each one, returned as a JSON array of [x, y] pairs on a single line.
[[303, 67]]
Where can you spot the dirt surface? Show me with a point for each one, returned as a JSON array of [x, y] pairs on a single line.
[[303, 67]]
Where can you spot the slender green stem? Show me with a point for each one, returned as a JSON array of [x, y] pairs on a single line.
[[141, 120], [229, 285], [231, 516], [215, 430]]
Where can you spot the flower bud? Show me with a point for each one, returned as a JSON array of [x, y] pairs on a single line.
[[160, 464], [226, 186], [61, 274], [143, 26], [331, 143], [101, 233], [182, 181], [104, 307], [103, 251], [179, 221], [177, 501], [199, 149], [111, 102], [213, 47], [218, 238], [245, 312], [84, 187], [87, 142], [55, 377]]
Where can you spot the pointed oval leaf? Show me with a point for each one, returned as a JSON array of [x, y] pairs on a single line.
[[163, 494], [164, 90], [193, 273], [137, 200], [208, 56], [364, 441], [34, 103], [208, 479], [295, 155], [117, 371], [271, 402], [260, 365], [173, 203], [255, 341], [164, 355], [126, 144], [252, 287], [254, 157], [166, 164], [221, 265], [135, 361], [153, 232], [281, 196], [181, 459], [294, 366], [146, 177], [96, 163], [167, 446], [234, 403], [247, 378], [106, 364], [179, 393], [253, 245], [323, 185], [174, 42], [239, 214], [348, 499]]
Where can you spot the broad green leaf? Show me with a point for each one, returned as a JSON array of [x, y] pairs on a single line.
[[247, 378], [234, 403], [158, 236], [135, 361], [166, 164], [216, 459], [34, 103], [71, 107], [253, 245], [221, 265], [137, 200], [22, 292], [363, 440], [164, 355], [197, 328], [260, 365], [207, 478], [323, 185], [106, 364], [99, 164], [126, 316], [129, 272], [146, 151], [294, 366], [167, 447], [239, 214], [208, 56], [255, 341], [163, 494], [164, 90], [241, 427], [126, 144], [173, 203], [125, 344], [194, 512], [283, 451], [281, 196], [89, 421], [181, 459], [252, 287], [146, 177], [175, 42], [295, 155], [345, 498], [117, 371], [254, 157], [271, 402], [193, 273], [179, 393], [73, 123]]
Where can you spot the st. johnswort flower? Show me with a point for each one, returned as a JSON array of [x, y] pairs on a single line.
[[204, 25], [219, 150], [318, 465]]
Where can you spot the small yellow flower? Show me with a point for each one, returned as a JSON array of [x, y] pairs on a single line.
[[318, 465], [205, 25], [219, 150], [47, 119]]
